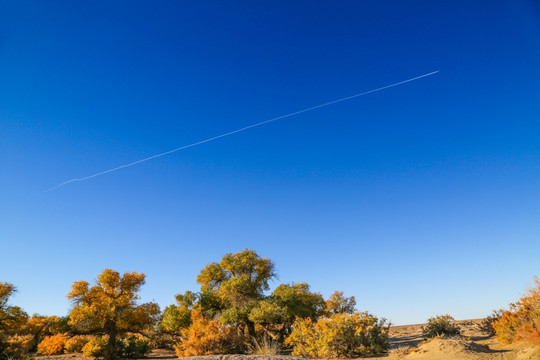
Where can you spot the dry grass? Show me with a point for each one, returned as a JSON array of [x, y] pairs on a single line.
[[266, 346]]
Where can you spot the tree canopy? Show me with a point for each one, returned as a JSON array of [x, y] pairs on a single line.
[[239, 282], [110, 307], [12, 318]]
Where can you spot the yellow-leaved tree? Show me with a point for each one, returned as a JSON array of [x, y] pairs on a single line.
[[12, 320], [110, 307]]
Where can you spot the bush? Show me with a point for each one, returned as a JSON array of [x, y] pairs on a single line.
[[130, 347], [52, 345], [441, 325], [76, 343], [210, 337], [15, 347], [163, 340], [487, 324], [341, 335], [133, 347], [522, 321], [95, 347]]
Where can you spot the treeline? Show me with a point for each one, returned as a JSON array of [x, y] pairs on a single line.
[[232, 312]]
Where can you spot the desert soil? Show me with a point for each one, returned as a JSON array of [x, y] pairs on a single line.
[[406, 344]]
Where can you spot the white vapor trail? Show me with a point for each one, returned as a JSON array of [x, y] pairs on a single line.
[[239, 130]]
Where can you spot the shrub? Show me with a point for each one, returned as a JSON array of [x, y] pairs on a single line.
[[440, 325], [210, 337], [487, 324], [522, 321], [95, 347], [341, 335], [52, 345], [133, 347], [130, 347], [15, 347], [163, 340], [76, 343]]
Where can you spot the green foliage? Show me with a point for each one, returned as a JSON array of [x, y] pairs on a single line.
[[232, 311], [440, 325], [238, 281], [277, 313], [174, 319], [267, 312], [133, 347], [178, 317], [298, 301], [130, 347], [339, 336]]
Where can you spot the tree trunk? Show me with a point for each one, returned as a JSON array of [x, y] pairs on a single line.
[[251, 330], [110, 350]]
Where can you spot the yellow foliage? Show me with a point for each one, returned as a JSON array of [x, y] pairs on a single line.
[[339, 304], [110, 307], [338, 336], [12, 318], [76, 343], [209, 337], [16, 346], [95, 347], [41, 326], [52, 345]]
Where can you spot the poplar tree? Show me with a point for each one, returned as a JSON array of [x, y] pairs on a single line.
[[110, 307]]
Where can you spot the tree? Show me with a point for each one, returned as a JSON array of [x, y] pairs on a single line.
[[209, 337], [239, 281], [12, 321], [339, 304], [110, 307], [277, 313], [40, 326], [178, 317], [12, 318]]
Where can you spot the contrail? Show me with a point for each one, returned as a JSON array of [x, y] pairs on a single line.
[[240, 130]]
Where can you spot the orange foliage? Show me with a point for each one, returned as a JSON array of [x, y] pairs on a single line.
[[52, 345], [209, 337], [522, 321]]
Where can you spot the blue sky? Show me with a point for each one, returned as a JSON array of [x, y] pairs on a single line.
[[418, 200]]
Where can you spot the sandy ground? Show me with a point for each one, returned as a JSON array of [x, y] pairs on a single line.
[[406, 344]]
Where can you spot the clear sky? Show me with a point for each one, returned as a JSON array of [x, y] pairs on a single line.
[[418, 200]]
